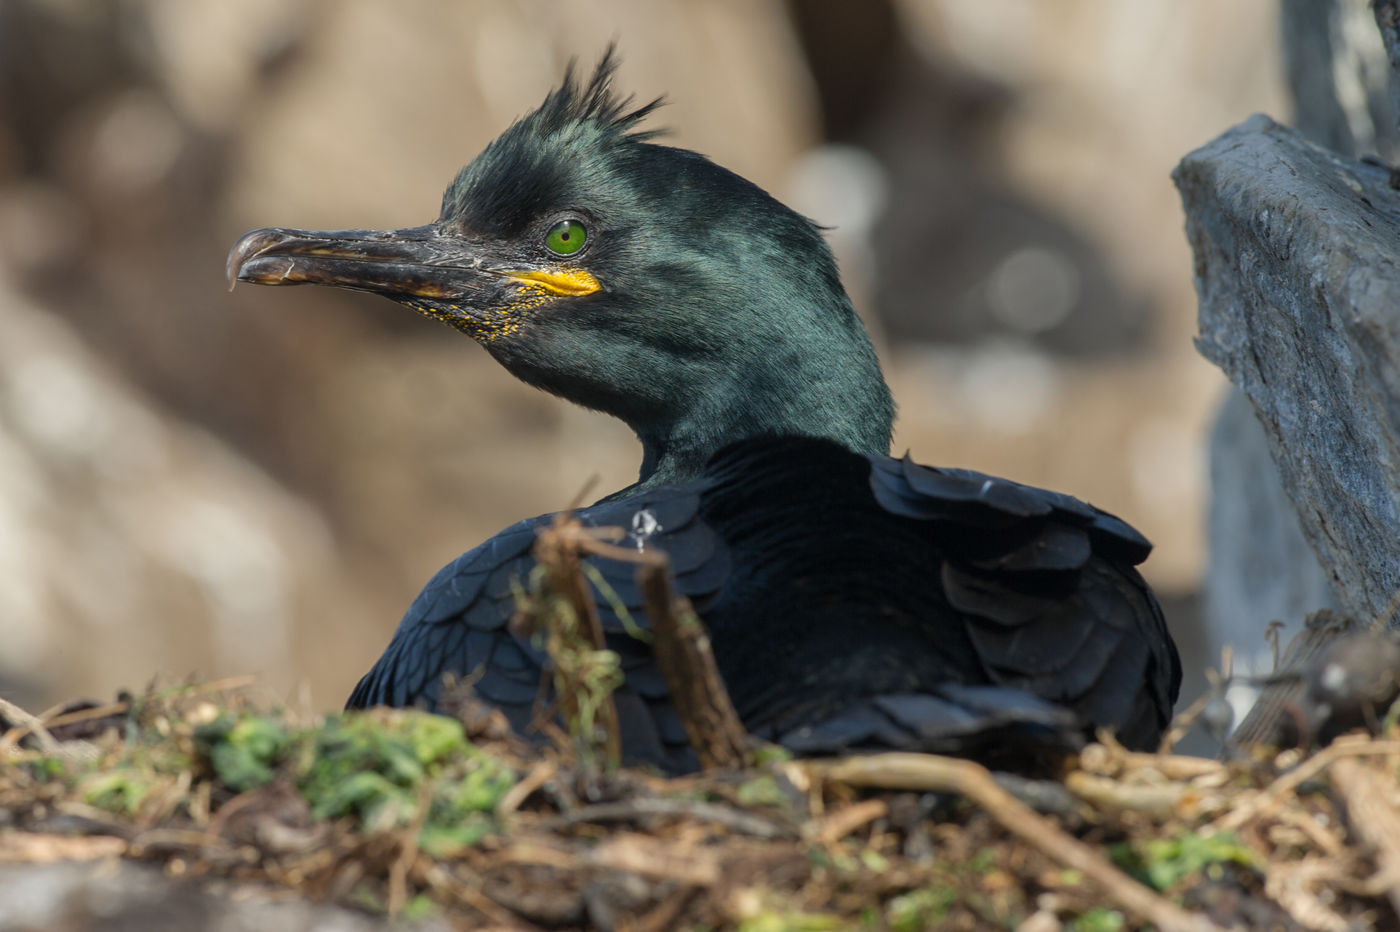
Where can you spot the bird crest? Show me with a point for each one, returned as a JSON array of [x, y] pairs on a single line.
[[594, 102], [546, 151]]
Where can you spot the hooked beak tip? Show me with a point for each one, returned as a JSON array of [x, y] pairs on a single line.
[[249, 246]]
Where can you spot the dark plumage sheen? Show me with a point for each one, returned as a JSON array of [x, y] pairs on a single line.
[[853, 600]]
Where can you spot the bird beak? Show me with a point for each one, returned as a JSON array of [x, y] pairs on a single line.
[[432, 270], [418, 262]]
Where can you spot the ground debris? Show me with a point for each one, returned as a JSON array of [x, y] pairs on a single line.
[[410, 814], [457, 821]]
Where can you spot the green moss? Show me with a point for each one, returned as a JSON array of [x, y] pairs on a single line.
[[767, 754], [419, 908], [375, 767], [378, 768], [1162, 863], [920, 909], [874, 861], [444, 839], [983, 862], [760, 791], [783, 921], [1099, 920], [47, 769], [121, 790], [242, 751]]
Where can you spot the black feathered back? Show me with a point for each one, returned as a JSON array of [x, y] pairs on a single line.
[[843, 610]]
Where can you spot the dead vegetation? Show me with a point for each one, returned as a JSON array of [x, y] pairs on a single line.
[[408, 814]]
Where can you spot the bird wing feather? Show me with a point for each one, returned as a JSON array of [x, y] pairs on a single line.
[[459, 625], [1062, 631], [1051, 601]]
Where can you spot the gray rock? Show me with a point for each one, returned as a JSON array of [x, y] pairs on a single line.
[[1261, 569], [1296, 270], [113, 895]]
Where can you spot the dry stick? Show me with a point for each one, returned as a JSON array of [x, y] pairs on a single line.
[[538, 776], [223, 685], [1348, 746], [87, 715], [664, 916], [1373, 819], [55, 717], [688, 664], [1304, 822], [1173, 766], [1183, 722], [1155, 799], [686, 660], [408, 852], [927, 772], [643, 807], [855, 816], [557, 550], [441, 878], [658, 859], [26, 724]]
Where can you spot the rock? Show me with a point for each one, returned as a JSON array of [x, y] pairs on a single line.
[[1261, 569], [87, 896], [1295, 265]]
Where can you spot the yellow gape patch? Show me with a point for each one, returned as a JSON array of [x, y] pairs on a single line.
[[537, 288], [561, 283]]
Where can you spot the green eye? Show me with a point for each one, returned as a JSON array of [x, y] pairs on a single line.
[[566, 237]]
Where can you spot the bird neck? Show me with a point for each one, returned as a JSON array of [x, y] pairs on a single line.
[[816, 385]]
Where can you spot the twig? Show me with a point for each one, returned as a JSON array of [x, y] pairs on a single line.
[[1347, 746], [664, 916], [26, 724], [538, 776], [557, 553], [1155, 799], [36, 848], [845, 821], [1304, 822], [646, 807], [1116, 761], [408, 851], [537, 855], [1373, 819], [658, 859], [927, 772], [1174, 766], [180, 839], [1272, 631], [1218, 684], [1290, 885], [687, 663], [87, 715], [1184, 721], [441, 878], [226, 684]]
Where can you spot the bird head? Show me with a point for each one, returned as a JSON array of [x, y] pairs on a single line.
[[634, 278]]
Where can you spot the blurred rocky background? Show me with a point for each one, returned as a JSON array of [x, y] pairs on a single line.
[[193, 480]]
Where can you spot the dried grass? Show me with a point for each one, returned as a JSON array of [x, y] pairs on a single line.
[[405, 813]]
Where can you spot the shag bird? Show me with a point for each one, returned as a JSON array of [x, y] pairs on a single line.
[[852, 600]]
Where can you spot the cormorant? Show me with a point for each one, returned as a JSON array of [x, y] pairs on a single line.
[[852, 600]]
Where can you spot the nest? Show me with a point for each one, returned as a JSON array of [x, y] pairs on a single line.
[[409, 814]]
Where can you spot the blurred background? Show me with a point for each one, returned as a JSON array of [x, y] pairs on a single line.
[[260, 481]]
